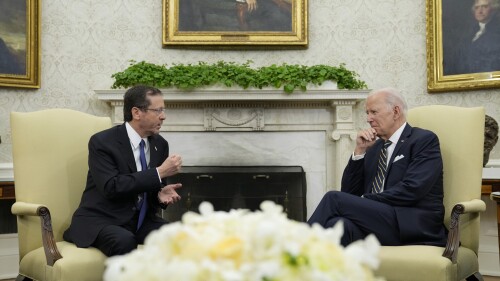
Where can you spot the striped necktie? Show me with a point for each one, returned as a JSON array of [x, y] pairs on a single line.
[[378, 181]]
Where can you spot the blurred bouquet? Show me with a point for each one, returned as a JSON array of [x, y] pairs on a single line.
[[245, 246]]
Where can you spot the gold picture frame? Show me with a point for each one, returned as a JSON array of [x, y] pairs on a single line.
[[19, 43], [458, 57], [235, 23]]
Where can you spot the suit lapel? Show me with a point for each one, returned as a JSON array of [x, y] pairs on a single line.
[[126, 148], [154, 155], [401, 142]]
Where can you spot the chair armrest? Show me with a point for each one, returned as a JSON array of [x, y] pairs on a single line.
[[52, 254], [26, 209], [495, 196], [453, 243]]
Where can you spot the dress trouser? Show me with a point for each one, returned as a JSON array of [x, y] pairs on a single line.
[[118, 240], [360, 216]]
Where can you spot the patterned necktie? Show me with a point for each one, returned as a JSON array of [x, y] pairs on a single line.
[[378, 181], [142, 201]]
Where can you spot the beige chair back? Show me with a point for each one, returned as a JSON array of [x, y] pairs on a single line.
[[50, 155], [459, 130]]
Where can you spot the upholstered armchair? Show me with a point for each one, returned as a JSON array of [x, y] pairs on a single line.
[[461, 134], [50, 167]]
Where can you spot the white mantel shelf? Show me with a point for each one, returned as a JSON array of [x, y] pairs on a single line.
[[228, 94]]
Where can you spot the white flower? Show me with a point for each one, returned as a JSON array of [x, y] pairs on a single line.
[[240, 245]]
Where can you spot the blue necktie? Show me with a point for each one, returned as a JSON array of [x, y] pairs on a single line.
[[143, 202], [378, 181]]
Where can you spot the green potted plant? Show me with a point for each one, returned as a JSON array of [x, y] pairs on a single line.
[[230, 74]]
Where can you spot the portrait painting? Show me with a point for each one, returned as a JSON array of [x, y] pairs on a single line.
[[463, 44], [235, 22], [19, 35]]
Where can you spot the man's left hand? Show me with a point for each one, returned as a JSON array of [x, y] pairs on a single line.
[[168, 195]]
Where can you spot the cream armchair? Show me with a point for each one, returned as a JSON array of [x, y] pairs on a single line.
[[50, 167], [461, 133]]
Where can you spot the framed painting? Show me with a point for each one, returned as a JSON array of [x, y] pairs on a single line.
[[235, 23], [19, 43], [463, 45]]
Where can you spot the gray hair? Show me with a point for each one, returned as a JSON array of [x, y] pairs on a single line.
[[495, 4], [392, 98]]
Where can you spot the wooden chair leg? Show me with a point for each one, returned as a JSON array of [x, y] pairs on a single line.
[[22, 278]]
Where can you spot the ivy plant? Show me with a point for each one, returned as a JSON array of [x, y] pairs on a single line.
[[231, 74]]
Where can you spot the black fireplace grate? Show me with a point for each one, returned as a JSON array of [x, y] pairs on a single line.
[[235, 187]]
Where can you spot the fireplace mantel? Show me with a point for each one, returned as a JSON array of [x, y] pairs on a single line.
[[327, 112]]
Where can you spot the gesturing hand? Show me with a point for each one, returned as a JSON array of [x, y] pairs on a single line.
[[168, 194], [171, 166], [252, 5]]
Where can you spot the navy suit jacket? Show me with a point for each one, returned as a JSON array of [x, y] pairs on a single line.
[[413, 185], [113, 185]]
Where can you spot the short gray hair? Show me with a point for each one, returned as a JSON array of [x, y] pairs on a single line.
[[495, 4], [392, 98]]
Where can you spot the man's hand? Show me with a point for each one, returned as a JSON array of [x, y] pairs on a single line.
[[365, 139], [171, 166], [252, 5], [168, 195]]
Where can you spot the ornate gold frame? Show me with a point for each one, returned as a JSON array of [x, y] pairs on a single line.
[[437, 81], [297, 36], [31, 78]]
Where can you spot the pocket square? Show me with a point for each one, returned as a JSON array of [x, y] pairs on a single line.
[[399, 157]]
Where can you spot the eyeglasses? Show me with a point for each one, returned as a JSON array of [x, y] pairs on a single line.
[[158, 111]]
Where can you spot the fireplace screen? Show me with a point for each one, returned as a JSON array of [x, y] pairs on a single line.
[[233, 187]]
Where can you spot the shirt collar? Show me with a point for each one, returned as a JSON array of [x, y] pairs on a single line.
[[134, 137], [395, 137]]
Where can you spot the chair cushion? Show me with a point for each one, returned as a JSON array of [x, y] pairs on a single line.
[[425, 263], [82, 264]]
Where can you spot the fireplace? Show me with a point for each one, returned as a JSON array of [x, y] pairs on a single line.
[[240, 187], [314, 130]]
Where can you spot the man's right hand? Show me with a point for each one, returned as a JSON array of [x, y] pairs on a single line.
[[252, 5], [364, 140], [171, 166]]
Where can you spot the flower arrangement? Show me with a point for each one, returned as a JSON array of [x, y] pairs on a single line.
[[245, 246]]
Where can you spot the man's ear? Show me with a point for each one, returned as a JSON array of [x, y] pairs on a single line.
[[397, 111], [136, 113]]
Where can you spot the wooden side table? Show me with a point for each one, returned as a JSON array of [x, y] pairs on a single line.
[[495, 196], [7, 190], [489, 186], [7, 198]]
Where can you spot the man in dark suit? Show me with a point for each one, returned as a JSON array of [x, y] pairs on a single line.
[[119, 185], [479, 48], [398, 198]]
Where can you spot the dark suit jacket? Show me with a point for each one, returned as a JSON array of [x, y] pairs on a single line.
[[413, 185], [482, 55], [113, 185]]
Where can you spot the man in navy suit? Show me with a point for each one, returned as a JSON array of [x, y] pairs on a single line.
[[108, 215], [405, 204]]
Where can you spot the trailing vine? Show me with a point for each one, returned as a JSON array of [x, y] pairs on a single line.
[[231, 74]]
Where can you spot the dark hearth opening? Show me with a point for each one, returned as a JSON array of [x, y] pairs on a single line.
[[234, 187]]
